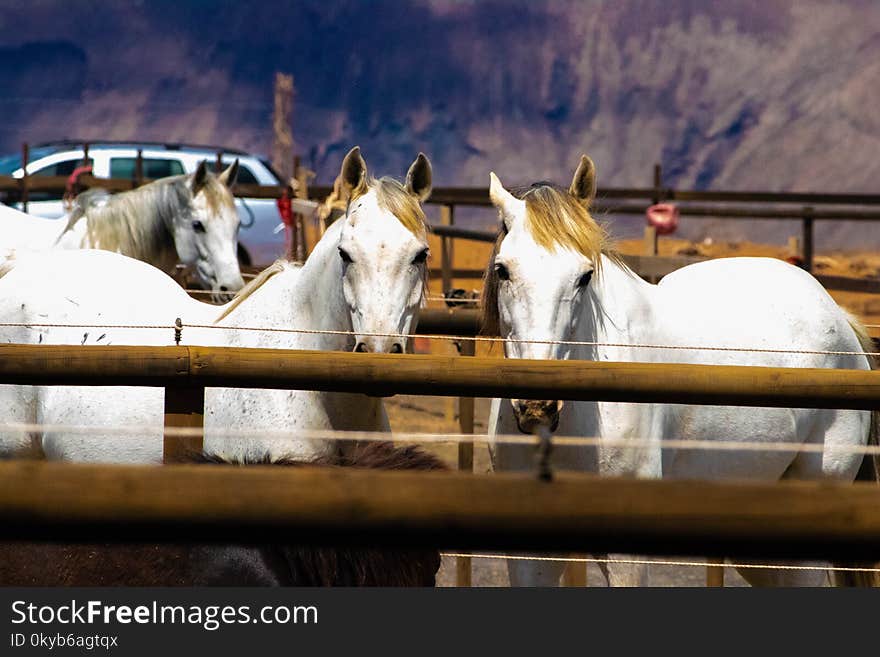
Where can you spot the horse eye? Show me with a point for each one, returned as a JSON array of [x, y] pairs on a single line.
[[345, 257], [502, 272], [198, 226], [585, 278], [421, 257]]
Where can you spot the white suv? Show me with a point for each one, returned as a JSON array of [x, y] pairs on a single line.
[[259, 240]]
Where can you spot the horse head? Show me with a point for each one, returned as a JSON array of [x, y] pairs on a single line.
[[537, 283], [205, 230], [384, 250]]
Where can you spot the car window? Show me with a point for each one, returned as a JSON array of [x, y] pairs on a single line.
[[246, 176], [63, 168], [153, 167]]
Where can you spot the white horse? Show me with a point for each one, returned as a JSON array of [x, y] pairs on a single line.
[[366, 275], [189, 219], [554, 278]]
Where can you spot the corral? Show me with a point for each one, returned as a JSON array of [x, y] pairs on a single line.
[[463, 511]]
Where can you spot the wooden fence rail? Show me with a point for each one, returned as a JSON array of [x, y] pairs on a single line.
[[390, 374], [451, 510]]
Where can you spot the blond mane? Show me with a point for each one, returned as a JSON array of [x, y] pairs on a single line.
[[138, 223], [259, 280], [392, 196], [556, 218]]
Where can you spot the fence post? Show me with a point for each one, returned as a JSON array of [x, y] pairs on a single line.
[[25, 156], [658, 184], [465, 458], [715, 574], [302, 192], [650, 248], [447, 218], [218, 162], [808, 238], [575, 573], [184, 407], [139, 168]]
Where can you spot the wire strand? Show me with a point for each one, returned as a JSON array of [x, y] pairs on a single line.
[[660, 562], [452, 438], [455, 338]]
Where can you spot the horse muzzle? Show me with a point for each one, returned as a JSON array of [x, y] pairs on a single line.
[[531, 414]]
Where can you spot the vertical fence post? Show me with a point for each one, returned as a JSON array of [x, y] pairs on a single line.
[[301, 192], [794, 246], [25, 156], [218, 162], [85, 161], [651, 247], [658, 184], [808, 238], [463, 565], [447, 218], [715, 574], [184, 407], [139, 168], [650, 244], [575, 573]]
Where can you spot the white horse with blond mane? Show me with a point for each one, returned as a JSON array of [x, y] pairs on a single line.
[[554, 279], [189, 219], [365, 276]]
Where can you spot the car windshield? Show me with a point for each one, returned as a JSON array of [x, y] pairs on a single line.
[[11, 163]]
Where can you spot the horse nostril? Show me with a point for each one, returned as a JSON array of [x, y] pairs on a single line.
[[362, 347], [396, 348], [223, 288]]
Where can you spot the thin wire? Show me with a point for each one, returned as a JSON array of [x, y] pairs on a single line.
[[582, 343], [659, 562], [457, 338], [430, 438], [106, 326]]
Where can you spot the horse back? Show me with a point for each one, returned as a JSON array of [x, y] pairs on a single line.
[[762, 308]]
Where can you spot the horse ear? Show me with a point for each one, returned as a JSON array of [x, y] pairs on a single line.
[[354, 172], [583, 185], [230, 174], [200, 178], [506, 202], [418, 178]]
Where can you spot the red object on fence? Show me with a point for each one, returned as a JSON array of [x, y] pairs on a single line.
[[663, 217], [70, 188], [285, 210]]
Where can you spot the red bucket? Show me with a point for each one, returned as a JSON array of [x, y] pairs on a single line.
[[663, 217]]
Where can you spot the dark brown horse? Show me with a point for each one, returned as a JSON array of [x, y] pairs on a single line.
[[49, 564]]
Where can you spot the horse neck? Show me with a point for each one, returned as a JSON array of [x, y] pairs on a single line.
[[621, 313], [321, 296], [139, 224], [309, 298]]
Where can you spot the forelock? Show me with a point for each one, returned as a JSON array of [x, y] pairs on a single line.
[[217, 195], [393, 197], [555, 218]]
